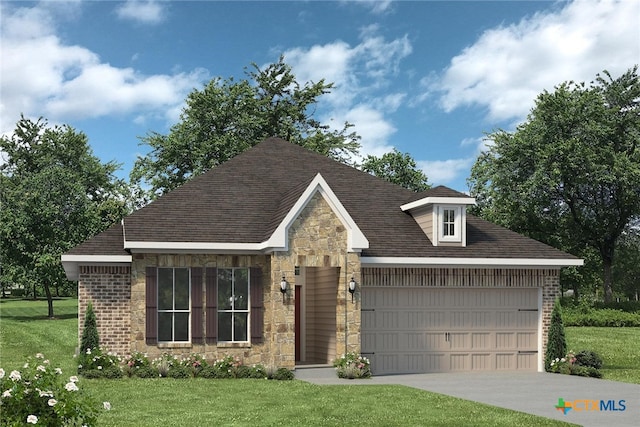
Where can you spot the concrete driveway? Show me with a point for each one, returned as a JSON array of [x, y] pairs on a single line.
[[533, 393]]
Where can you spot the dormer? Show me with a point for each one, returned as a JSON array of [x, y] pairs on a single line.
[[442, 217]]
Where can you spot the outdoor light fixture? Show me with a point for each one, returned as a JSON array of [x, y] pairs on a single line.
[[283, 288], [352, 287]]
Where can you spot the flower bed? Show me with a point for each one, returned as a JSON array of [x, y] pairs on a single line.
[[352, 365], [584, 364]]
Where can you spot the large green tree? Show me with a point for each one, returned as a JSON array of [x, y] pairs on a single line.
[[54, 194], [626, 267], [397, 168], [570, 174], [226, 117]]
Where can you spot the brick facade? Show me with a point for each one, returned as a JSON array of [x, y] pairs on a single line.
[[109, 290]]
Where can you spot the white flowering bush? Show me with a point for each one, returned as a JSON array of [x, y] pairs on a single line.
[[352, 365], [42, 395], [95, 363]]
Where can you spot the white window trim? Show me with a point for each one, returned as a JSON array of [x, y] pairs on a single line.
[[458, 224], [158, 310], [232, 311]]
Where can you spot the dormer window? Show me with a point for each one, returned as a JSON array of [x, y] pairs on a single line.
[[450, 223], [442, 217]]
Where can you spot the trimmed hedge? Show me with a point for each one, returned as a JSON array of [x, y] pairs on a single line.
[[604, 317]]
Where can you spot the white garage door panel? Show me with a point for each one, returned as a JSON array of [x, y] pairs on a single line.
[[436, 330]]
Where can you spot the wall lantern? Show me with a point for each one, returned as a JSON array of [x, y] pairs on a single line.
[[283, 288], [352, 288]]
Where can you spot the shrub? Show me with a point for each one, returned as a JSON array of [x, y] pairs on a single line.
[[147, 372], [39, 394], [258, 372], [588, 358], [134, 362], [604, 317], [164, 363], [180, 371], [556, 342], [208, 372], [97, 359], [243, 372], [195, 363], [568, 365], [586, 371], [227, 367], [283, 374], [90, 338], [352, 365]]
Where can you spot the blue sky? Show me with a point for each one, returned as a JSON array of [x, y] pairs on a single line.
[[427, 77]]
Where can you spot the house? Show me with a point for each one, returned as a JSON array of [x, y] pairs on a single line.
[[257, 257]]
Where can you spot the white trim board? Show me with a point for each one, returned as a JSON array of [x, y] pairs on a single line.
[[468, 262]]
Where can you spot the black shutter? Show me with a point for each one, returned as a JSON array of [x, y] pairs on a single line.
[[197, 336], [151, 295], [257, 306], [212, 304]]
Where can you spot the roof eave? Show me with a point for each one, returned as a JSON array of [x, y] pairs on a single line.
[[470, 262], [72, 263], [438, 201]]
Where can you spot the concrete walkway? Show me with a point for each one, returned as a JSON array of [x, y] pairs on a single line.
[[533, 393]]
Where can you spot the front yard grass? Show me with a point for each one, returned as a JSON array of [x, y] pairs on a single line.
[[618, 347], [198, 402]]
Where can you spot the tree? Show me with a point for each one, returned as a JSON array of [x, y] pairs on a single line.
[[55, 194], [397, 168], [626, 267], [556, 341], [570, 174], [90, 339], [227, 117]]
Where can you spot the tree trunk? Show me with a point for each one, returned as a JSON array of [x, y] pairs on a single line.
[[606, 252], [49, 299], [607, 276]]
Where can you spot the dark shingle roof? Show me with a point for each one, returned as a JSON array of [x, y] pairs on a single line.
[[244, 200], [109, 242]]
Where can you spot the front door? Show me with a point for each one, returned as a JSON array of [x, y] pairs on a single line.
[[315, 315]]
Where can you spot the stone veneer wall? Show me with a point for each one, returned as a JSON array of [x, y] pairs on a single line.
[[317, 238], [547, 279], [108, 289], [249, 353]]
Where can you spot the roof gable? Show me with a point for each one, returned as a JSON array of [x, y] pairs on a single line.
[[356, 240]]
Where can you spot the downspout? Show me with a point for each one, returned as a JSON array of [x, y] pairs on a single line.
[[124, 235], [346, 301]]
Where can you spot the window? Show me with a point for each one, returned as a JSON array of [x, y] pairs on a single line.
[[233, 304], [174, 289], [449, 222]]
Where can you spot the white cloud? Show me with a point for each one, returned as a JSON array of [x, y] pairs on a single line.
[[43, 76], [371, 125], [377, 7], [145, 12], [360, 74], [507, 67], [442, 172]]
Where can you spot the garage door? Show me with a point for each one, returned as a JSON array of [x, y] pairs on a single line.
[[407, 330]]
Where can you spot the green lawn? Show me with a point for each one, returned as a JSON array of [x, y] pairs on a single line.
[[25, 330], [618, 347]]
